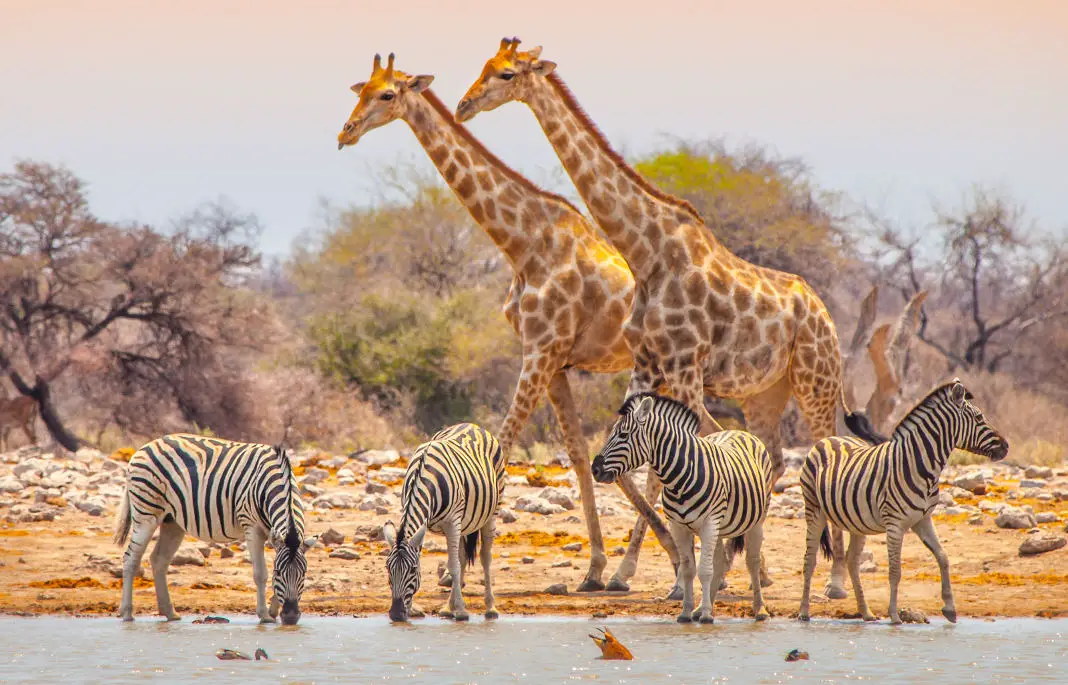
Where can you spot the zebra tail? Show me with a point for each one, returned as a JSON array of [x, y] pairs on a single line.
[[825, 542], [737, 545], [122, 520], [860, 425], [470, 547]]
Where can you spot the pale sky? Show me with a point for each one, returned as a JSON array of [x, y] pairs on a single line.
[[162, 105]]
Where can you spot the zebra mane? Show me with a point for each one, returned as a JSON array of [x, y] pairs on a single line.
[[292, 540], [691, 420], [923, 404], [406, 508]]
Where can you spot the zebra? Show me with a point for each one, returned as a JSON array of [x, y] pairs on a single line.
[[215, 490], [891, 487], [717, 487], [453, 485]]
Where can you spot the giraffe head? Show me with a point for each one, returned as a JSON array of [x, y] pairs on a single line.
[[506, 77], [385, 96]]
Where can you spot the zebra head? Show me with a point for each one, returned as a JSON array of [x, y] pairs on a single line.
[[402, 565], [974, 434], [628, 445], [290, 567]]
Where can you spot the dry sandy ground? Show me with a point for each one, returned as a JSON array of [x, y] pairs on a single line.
[[43, 570]]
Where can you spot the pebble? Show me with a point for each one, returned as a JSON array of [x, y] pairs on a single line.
[[346, 553], [1040, 543], [556, 589], [1015, 518], [506, 515], [974, 482], [226, 552], [537, 505], [562, 564], [572, 547], [375, 488], [315, 475], [1046, 517], [1032, 483], [332, 537], [1038, 472], [557, 496], [527, 560], [188, 555]]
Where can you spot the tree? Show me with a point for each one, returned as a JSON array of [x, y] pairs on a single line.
[[999, 276], [155, 313]]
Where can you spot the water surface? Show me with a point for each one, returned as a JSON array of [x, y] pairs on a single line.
[[538, 650]]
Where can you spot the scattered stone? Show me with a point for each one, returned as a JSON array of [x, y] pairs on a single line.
[[912, 616], [1032, 483], [88, 454], [1044, 497], [506, 515], [1047, 517], [332, 537], [991, 507], [377, 457], [572, 547], [110, 465], [375, 488], [94, 506], [868, 567], [188, 555], [205, 549], [619, 551], [556, 589], [335, 500], [368, 532], [1040, 543], [557, 496], [372, 502], [1038, 472], [109, 565], [1015, 518], [310, 490], [346, 553], [10, 484], [527, 560], [976, 520], [946, 499], [226, 552], [974, 482], [315, 475], [957, 493], [430, 545], [381, 511], [537, 505], [562, 564]]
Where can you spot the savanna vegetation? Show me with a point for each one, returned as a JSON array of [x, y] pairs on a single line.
[[384, 324]]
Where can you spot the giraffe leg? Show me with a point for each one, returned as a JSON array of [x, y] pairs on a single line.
[[763, 417], [564, 404]]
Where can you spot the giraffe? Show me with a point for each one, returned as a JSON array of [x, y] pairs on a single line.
[[703, 320], [570, 291]]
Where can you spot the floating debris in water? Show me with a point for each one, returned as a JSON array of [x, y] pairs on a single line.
[[211, 619], [611, 648], [797, 655], [233, 654], [912, 616]]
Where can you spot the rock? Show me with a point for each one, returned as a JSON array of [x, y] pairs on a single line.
[[110, 566], [369, 532], [562, 564], [1032, 483], [381, 511], [346, 553], [335, 500], [557, 496], [430, 545], [1044, 497], [331, 537], [372, 502], [377, 456], [946, 499], [537, 505], [974, 482], [111, 465], [205, 549], [336, 463], [94, 506], [957, 493], [1040, 543], [527, 560], [375, 488], [515, 481], [88, 454], [992, 507], [868, 567], [785, 483], [225, 553], [607, 510], [556, 589], [572, 547], [619, 551], [976, 520], [506, 515], [188, 555], [1016, 518], [315, 475], [1038, 472], [1047, 517], [390, 473], [912, 616], [310, 490], [10, 484]]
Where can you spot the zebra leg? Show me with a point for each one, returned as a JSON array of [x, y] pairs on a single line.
[[856, 546], [925, 529], [754, 557], [486, 556], [564, 405], [687, 568], [254, 541], [170, 538], [457, 610], [817, 523], [131, 561], [713, 567], [894, 536]]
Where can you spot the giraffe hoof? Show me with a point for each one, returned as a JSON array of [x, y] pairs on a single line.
[[460, 616], [617, 585], [723, 585], [835, 592], [590, 585], [950, 615], [766, 582], [492, 615], [684, 617], [675, 595], [803, 618], [761, 615], [869, 618], [127, 619]]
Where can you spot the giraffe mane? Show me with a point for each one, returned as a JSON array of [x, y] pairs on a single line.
[[937, 389], [493, 159], [572, 102]]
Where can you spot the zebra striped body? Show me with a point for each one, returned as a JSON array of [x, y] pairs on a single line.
[[892, 487], [453, 485], [215, 490], [717, 487]]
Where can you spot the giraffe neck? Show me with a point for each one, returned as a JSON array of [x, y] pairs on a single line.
[[506, 205], [627, 207]]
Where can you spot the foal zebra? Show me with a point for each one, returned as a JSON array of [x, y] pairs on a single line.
[[892, 487], [453, 485], [717, 487], [214, 490]]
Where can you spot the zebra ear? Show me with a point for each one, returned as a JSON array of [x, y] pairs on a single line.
[[644, 408], [310, 542], [957, 392], [417, 540], [389, 533]]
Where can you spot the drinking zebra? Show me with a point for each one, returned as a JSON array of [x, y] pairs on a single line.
[[453, 485], [717, 487], [892, 487], [220, 491]]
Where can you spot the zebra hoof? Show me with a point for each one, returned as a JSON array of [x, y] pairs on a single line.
[[492, 615], [617, 585], [869, 618], [675, 595], [176, 617], [803, 618], [127, 619], [950, 615], [835, 592], [706, 620], [684, 617], [264, 621], [461, 616], [590, 585], [722, 585]]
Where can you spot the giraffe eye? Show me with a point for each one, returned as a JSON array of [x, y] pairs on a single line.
[[388, 95], [507, 76]]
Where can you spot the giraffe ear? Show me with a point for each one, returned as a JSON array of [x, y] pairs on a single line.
[[417, 84], [534, 53], [543, 67], [357, 87]]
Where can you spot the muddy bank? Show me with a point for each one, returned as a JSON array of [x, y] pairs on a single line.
[[56, 554]]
